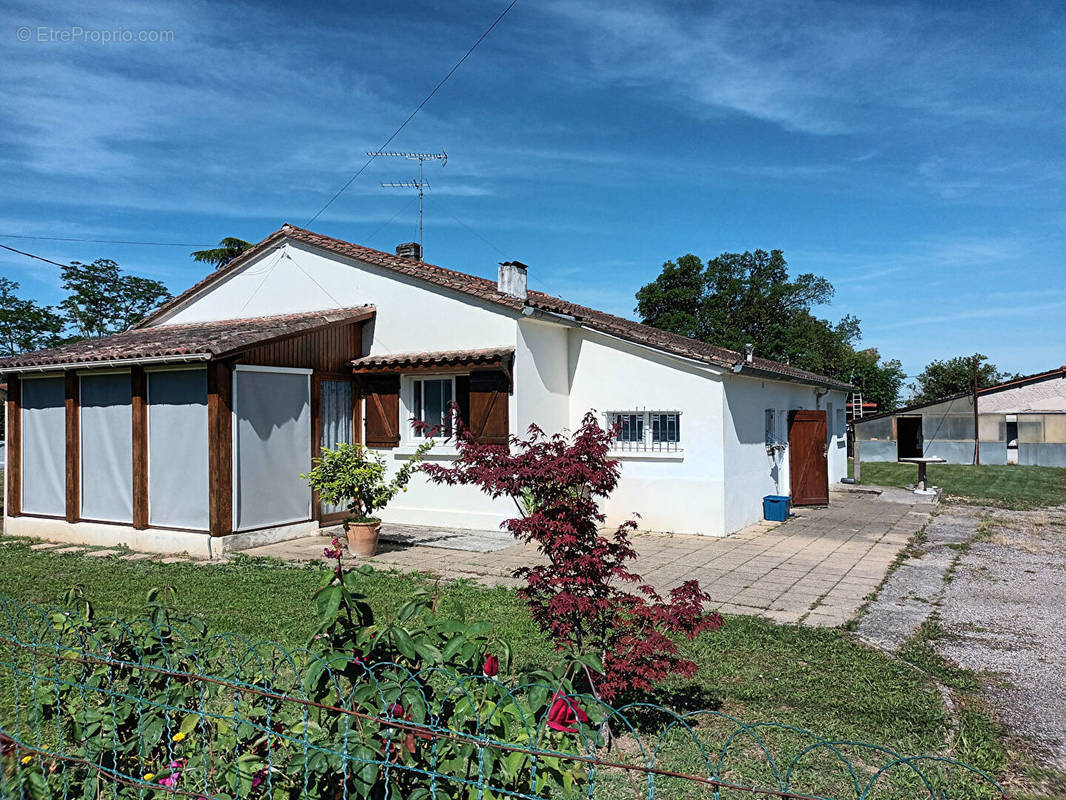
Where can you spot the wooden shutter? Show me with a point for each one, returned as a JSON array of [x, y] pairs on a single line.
[[489, 419], [382, 410]]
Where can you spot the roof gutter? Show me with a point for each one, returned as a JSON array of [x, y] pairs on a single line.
[[741, 368], [106, 363]]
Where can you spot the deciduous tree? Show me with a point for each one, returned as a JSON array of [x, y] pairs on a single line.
[[954, 376], [26, 325], [103, 300]]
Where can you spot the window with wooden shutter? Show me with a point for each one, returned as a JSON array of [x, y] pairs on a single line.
[[382, 410], [488, 417]]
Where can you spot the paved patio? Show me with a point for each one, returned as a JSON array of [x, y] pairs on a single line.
[[816, 568]]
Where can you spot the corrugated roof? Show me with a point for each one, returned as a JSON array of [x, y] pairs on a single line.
[[484, 289], [196, 339]]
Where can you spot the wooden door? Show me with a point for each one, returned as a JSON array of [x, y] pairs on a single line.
[[808, 448]]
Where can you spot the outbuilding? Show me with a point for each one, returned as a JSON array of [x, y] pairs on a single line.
[[1020, 421], [190, 431]]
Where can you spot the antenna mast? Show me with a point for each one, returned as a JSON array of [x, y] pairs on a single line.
[[421, 185]]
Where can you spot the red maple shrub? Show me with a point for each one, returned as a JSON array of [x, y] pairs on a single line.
[[580, 596]]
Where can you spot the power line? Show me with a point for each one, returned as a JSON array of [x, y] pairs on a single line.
[[411, 116], [98, 241], [31, 255]]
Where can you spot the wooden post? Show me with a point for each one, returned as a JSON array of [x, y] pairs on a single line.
[[316, 438], [13, 508], [73, 412], [858, 461], [140, 447], [220, 446]]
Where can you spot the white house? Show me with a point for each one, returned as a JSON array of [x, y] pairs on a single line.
[[189, 432]]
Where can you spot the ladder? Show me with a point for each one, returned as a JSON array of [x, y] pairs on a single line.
[[856, 404]]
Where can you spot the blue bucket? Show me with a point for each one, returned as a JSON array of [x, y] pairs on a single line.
[[776, 508]]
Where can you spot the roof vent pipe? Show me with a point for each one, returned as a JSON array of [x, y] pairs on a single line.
[[409, 250], [512, 279], [749, 349]]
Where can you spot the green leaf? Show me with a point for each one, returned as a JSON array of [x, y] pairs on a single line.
[[402, 639], [429, 653], [328, 603]]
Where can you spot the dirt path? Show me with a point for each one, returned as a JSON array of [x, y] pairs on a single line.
[[995, 582]]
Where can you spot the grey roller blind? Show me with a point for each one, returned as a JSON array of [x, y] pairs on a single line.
[[336, 416], [177, 449], [44, 447], [273, 448], [107, 448]]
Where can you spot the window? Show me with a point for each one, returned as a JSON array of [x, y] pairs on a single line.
[[771, 427], [646, 431], [430, 401], [666, 428]]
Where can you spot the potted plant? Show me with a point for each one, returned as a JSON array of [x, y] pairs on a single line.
[[355, 477]]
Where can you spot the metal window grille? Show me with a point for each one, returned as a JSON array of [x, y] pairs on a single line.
[[666, 431], [643, 431]]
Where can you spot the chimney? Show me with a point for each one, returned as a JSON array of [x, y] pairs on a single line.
[[512, 279], [409, 250], [749, 350]]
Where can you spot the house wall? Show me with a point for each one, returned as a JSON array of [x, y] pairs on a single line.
[[680, 492], [751, 472]]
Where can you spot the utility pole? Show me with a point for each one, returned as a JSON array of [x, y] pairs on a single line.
[[976, 425], [421, 185]]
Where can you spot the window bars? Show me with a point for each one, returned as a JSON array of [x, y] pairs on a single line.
[[646, 431]]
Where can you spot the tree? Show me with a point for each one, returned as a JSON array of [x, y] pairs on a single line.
[[25, 325], [878, 381], [579, 596], [102, 300], [748, 298], [954, 376], [227, 250]]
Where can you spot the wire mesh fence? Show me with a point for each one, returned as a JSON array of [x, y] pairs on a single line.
[[145, 708]]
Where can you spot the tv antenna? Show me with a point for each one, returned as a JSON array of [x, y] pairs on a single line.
[[421, 184]]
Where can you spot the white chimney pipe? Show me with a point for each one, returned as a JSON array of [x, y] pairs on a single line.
[[512, 279], [749, 349]]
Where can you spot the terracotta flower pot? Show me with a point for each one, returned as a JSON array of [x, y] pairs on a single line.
[[362, 537]]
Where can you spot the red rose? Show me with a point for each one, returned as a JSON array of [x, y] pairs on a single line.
[[491, 667], [564, 712]]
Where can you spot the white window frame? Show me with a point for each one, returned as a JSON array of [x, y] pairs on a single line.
[[409, 435], [645, 444]]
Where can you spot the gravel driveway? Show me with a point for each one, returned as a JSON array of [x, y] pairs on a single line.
[[997, 582]]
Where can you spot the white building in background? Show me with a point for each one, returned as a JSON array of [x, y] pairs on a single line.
[[306, 340]]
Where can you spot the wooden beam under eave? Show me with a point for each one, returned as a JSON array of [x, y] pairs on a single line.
[[220, 446], [72, 403], [13, 508], [139, 381]]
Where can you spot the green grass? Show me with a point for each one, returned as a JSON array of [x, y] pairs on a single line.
[[819, 679], [1006, 486]]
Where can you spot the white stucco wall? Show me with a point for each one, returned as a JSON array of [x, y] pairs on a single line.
[[752, 473], [680, 492]]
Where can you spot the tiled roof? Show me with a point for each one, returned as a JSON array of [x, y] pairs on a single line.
[[485, 289], [443, 358], [195, 339]]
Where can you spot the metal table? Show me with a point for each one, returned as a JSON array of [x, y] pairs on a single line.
[[922, 464]]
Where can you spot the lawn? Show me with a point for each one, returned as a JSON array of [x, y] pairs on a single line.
[[1007, 486], [823, 680]]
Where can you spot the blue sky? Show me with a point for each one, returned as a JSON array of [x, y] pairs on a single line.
[[911, 153]]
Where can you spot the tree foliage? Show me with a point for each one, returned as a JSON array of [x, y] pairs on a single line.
[[879, 381], [26, 325], [748, 298], [103, 300], [579, 596], [228, 249], [954, 376]]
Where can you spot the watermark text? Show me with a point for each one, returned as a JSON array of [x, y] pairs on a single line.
[[77, 34]]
